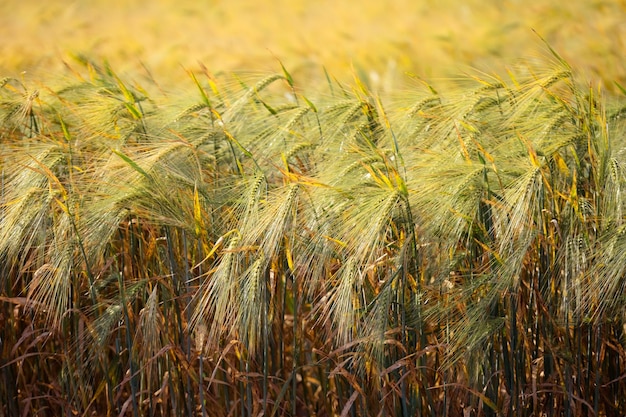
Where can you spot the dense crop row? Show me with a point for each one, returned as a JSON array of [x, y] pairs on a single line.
[[240, 248]]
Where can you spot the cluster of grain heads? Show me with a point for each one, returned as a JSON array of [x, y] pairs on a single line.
[[244, 249]]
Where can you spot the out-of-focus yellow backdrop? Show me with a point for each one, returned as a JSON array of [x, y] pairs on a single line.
[[431, 38]]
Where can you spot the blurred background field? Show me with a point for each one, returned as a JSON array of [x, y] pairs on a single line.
[[381, 40]]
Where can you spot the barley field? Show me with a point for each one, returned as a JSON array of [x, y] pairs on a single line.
[[405, 208], [383, 40]]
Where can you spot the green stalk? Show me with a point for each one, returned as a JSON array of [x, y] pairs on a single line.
[[598, 370], [248, 385], [281, 324], [403, 284], [589, 346], [514, 406], [568, 370], [179, 317], [294, 369], [200, 385], [242, 392], [415, 270], [129, 342], [120, 373], [186, 338], [265, 335], [226, 391], [173, 399]]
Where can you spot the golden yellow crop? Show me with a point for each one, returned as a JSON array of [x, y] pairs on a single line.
[[378, 39]]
